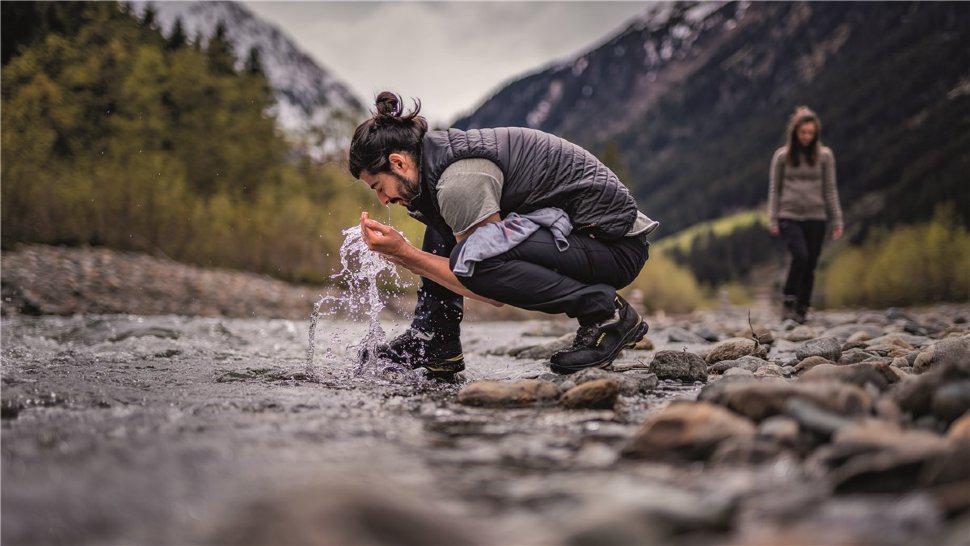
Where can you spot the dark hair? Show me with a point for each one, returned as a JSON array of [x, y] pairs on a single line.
[[793, 146], [388, 130]]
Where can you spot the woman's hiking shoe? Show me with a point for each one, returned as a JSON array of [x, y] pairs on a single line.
[[441, 356], [597, 345]]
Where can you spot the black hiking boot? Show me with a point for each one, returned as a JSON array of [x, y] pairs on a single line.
[[597, 345], [440, 355]]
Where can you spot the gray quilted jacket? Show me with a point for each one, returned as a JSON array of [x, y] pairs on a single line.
[[541, 170]]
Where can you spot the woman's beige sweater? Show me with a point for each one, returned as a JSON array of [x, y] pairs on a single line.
[[805, 192]]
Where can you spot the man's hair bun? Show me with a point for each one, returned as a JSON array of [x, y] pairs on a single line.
[[390, 105]]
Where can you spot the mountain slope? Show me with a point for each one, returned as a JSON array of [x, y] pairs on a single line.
[[311, 103], [696, 128]]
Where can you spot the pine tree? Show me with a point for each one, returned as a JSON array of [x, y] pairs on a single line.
[[253, 63], [177, 38], [220, 53], [149, 17]]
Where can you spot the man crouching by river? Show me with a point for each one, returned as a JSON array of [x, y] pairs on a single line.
[[514, 216]]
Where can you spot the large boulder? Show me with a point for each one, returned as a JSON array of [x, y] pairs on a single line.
[[500, 394], [735, 348], [686, 431], [760, 399], [825, 347], [679, 365]]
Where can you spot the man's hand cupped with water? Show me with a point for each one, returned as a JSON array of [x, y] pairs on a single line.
[[383, 239]]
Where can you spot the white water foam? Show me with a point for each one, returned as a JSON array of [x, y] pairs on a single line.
[[360, 270]]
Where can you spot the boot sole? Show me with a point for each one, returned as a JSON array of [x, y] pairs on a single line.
[[445, 373], [631, 339]]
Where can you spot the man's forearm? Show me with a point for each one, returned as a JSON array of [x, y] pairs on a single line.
[[437, 269]]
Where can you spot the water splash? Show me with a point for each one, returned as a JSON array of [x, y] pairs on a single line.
[[360, 270]]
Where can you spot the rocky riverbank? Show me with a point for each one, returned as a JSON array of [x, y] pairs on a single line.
[[50, 280], [716, 430]]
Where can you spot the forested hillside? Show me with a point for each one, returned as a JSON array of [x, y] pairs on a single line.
[[116, 134]]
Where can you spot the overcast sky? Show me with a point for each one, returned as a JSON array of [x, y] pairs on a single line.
[[452, 55]]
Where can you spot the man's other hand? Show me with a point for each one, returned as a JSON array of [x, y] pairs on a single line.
[[382, 239]]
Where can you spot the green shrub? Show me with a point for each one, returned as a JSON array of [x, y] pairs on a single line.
[[667, 286], [908, 265]]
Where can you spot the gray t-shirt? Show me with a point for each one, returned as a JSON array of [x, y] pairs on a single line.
[[469, 191]]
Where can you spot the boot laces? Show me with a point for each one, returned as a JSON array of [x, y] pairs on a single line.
[[585, 336]]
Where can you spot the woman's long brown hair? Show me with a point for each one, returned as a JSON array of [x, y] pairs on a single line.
[[794, 148]]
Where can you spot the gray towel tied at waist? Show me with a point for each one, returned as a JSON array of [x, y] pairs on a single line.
[[495, 238]]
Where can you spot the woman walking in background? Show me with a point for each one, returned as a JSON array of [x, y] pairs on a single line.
[[802, 197]]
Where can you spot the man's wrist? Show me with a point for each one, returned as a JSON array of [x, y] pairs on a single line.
[[408, 254]]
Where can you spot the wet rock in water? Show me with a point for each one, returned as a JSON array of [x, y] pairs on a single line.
[[595, 394], [879, 374], [952, 400], [680, 335], [760, 399], [499, 394], [750, 363], [545, 350], [154, 331], [809, 363], [686, 431], [644, 344], [800, 333], [825, 347], [735, 348], [950, 353], [679, 365], [630, 383]]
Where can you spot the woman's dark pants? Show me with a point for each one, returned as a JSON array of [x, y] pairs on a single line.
[[581, 281], [804, 241]]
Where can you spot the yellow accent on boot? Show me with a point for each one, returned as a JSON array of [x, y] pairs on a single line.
[[600, 340]]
